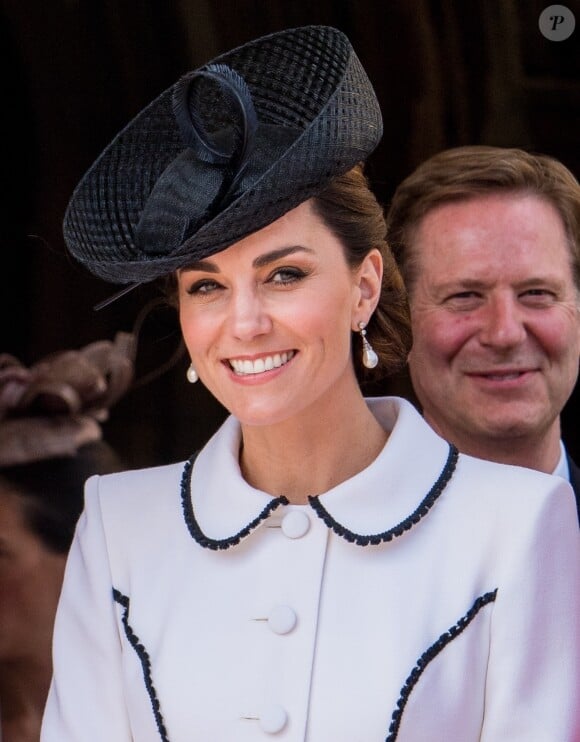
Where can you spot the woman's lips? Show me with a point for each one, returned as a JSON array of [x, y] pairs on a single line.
[[251, 367]]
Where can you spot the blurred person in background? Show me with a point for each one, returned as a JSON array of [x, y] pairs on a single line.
[[50, 443]]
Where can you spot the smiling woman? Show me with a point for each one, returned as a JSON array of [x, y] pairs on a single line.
[[326, 567], [268, 328]]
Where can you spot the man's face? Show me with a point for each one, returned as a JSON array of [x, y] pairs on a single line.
[[496, 320]]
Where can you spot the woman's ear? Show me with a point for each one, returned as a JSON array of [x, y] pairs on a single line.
[[369, 276]]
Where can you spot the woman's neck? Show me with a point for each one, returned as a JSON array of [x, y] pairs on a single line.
[[312, 452]]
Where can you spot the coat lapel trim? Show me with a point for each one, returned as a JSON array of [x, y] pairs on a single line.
[[145, 660], [429, 655]]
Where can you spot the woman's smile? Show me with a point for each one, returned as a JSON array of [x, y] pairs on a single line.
[[259, 365]]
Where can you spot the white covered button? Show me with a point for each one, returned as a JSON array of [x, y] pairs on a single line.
[[295, 524], [273, 719], [282, 619]]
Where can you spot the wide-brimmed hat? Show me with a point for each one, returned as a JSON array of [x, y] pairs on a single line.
[[225, 151]]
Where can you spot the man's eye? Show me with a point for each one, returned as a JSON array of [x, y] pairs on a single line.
[[537, 292], [464, 295], [538, 296], [465, 301]]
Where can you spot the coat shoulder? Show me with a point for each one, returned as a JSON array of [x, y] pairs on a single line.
[[136, 494]]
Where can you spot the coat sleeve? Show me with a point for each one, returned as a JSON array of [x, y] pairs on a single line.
[[86, 698], [533, 681]]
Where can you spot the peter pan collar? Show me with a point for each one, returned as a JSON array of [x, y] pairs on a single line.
[[394, 492]]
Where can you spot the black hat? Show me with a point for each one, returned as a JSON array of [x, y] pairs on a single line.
[[222, 153]]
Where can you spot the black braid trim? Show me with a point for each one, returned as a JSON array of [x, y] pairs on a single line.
[[429, 655], [406, 524], [123, 601], [193, 525]]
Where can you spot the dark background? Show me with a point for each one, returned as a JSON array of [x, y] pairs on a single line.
[[73, 72]]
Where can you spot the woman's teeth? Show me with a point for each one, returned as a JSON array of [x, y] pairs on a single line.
[[258, 366]]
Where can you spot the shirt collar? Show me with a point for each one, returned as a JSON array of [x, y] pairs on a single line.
[[562, 469], [221, 508]]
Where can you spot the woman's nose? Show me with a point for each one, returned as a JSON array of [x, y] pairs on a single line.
[[503, 324], [248, 317]]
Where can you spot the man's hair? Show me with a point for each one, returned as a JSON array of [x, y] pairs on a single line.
[[462, 173]]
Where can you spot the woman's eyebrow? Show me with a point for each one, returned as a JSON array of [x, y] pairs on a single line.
[[269, 257], [200, 265]]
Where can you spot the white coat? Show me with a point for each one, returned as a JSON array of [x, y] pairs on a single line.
[[461, 625]]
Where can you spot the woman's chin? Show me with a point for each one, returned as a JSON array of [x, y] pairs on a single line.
[[261, 416]]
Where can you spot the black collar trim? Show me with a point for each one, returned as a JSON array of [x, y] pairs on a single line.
[[193, 525], [360, 539], [406, 524]]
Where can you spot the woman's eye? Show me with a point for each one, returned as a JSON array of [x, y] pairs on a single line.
[[286, 275], [203, 287]]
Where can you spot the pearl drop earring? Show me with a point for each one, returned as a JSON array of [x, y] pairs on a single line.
[[369, 358], [192, 375]]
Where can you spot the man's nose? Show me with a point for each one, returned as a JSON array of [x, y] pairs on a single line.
[[503, 323]]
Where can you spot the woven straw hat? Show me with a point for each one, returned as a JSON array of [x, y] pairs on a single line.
[[222, 153]]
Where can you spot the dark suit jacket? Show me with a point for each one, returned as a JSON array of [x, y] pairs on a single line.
[[575, 482]]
